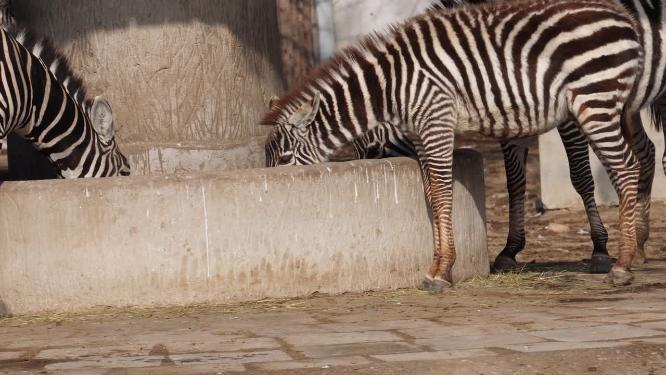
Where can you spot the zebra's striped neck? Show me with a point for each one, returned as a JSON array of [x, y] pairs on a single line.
[[47, 106]]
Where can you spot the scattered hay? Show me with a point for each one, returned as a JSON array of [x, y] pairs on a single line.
[[521, 281]]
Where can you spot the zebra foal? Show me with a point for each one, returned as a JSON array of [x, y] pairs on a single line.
[[506, 70], [44, 102]]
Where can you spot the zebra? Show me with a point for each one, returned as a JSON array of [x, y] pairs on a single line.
[[44, 102], [506, 70], [372, 144]]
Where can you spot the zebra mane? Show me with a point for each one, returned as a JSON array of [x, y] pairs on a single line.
[[327, 71], [54, 60]]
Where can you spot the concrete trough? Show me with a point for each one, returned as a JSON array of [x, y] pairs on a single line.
[[227, 237]]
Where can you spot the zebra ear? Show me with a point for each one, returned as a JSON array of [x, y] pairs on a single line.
[[102, 118], [306, 113], [272, 103]]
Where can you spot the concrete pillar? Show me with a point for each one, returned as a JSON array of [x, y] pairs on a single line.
[[186, 79]]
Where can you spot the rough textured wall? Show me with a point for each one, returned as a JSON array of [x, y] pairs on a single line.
[[183, 74], [296, 20]]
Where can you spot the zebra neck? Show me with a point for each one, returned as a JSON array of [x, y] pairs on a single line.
[[58, 126]]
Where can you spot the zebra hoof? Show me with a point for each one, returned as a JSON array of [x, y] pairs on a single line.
[[601, 263], [619, 277], [439, 285], [426, 284], [504, 264]]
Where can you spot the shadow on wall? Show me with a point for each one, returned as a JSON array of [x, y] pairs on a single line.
[[72, 18], [4, 310]]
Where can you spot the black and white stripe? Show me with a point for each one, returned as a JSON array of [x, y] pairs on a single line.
[[44, 102], [505, 70]]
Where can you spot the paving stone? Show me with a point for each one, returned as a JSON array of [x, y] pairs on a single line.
[[460, 330], [653, 325], [11, 356], [107, 362], [253, 343], [625, 318], [433, 356], [230, 357], [381, 325], [479, 341], [557, 346], [315, 363], [77, 352], [325, 351], [652, 340], [341, 338], [597, 333], [278, 330]]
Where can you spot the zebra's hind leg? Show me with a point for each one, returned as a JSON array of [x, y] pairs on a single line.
[[644, 149], [599, 118], [576, 147], [515, 159]]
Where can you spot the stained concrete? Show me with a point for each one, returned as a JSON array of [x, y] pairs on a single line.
[[240, 236]]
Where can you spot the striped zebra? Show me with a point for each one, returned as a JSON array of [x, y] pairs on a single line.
[[42, 101], [507, 70], [575, 143]]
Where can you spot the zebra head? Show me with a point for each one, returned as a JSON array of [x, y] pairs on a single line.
[[291, 141], [101, 118]]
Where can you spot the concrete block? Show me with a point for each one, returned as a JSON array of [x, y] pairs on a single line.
[[557, 346], [556, 189], [229, 358], [228, 237], [477, 342], [341, 338], [598, 333], [327, 351]]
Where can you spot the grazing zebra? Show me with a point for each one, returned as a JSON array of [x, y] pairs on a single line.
[[45, 103], [507, 70], [575, 143]]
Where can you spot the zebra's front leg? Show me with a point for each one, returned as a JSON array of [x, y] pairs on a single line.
[[438, 148], [576, 147], [515, 158]]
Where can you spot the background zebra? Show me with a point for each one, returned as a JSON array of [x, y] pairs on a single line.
[[386, 140], [45, 103], [505, 70]]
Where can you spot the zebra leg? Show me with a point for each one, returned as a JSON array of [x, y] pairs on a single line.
[[602, 127], [515, 160], [427, 283], [576, 147], [645, 151], [438, 148]]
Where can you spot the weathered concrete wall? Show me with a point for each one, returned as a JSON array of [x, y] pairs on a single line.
[[556, 189], [189, 75], [246, 235]]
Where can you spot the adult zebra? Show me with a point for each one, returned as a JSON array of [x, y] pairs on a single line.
[[45, 103], [387, 140], [506, 70]]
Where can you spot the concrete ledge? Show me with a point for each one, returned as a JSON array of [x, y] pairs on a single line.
[[234, 236]]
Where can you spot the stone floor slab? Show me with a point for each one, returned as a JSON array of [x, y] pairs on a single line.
[[557, 346], [253, 343], [107, 363], [478, 342], [597, 333], [381, 325], [102, 351], [460, 330], [11, 356], [661, 325], [229, 357], [327, 351], [625, 318], [433, 356], [341, 338], [315, 363]]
